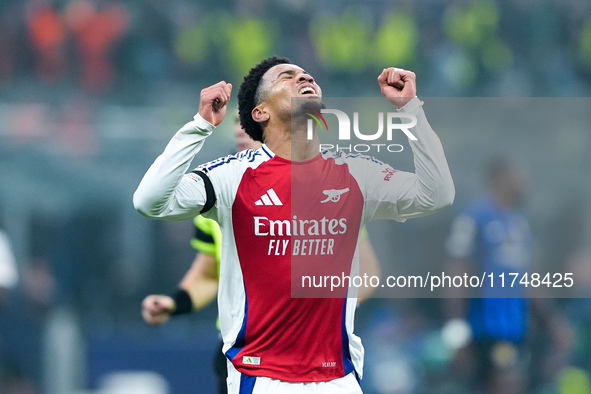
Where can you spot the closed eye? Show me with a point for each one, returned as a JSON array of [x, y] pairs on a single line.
[[288, 74]]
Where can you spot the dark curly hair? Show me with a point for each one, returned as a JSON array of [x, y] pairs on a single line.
[[248, 96]]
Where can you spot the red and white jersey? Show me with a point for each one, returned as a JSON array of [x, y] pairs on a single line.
[[281, 219]]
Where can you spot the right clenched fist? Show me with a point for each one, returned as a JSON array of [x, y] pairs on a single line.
[[156, 309], [213, 102]]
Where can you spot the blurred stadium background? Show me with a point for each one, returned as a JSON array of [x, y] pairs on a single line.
[[91, 91]]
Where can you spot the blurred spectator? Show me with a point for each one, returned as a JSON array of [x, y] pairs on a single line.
[[47, 34], [96, 31]]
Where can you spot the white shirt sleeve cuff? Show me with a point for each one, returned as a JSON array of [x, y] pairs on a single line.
[[202, 124], [413, 105]]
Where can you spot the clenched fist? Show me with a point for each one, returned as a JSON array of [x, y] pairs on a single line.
[[398, 85], [156, 309], [213, 102]]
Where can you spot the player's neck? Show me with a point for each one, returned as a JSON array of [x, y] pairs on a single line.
[[292, 144]]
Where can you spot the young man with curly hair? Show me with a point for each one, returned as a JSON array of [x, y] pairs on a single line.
[[272, 209]]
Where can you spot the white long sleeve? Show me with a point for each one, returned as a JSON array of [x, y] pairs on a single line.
[[403, 195], [165, 192], [433, 186]]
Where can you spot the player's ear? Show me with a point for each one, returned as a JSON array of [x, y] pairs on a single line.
[[259, 114]]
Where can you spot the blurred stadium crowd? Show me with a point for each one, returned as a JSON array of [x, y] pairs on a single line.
[[469, 48], [91, 90]]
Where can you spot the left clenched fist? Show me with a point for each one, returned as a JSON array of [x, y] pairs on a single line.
[[213, 102], [398, 85]]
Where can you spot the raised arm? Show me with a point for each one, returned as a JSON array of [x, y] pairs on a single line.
[[165, 192], [430, 188]]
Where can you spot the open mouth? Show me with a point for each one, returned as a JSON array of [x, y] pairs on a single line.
[[307, 90]]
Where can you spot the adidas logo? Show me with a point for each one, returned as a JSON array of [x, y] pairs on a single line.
[[251, 360], [269, 198]]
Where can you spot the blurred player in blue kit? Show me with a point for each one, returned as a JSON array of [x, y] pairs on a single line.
[[492, 235]]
